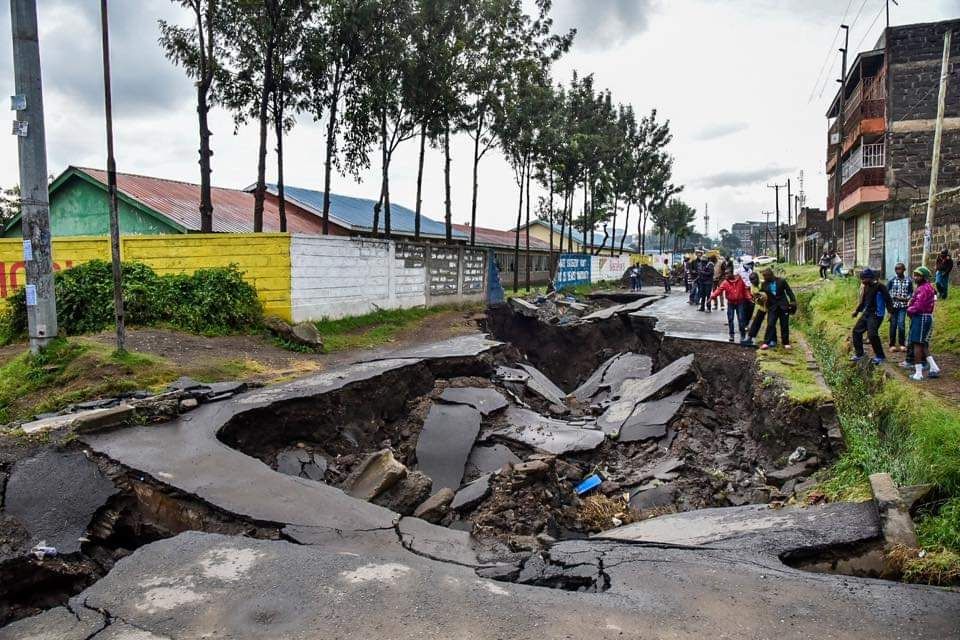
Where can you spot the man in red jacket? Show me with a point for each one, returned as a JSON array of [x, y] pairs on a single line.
[[738, 298]]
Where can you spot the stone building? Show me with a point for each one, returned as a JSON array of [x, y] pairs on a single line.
[[889, 116]]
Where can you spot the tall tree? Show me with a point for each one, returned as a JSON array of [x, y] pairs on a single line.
[[256, 31], [199, 49], [9, 204], [334, 45]]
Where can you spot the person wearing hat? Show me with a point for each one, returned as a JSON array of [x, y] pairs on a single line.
[[873, 305], [944, 267], [920, 311]]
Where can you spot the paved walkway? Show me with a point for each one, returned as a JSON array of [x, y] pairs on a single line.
[[677, 319]]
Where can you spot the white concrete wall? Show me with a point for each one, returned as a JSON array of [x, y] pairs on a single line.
[[607, 267], [334, 277]]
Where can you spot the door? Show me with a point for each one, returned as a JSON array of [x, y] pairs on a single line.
[[863, 241], [896, 245]]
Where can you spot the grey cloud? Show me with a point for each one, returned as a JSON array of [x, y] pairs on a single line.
[[142, 79], [602, 24], [740, 178], [719, 130]]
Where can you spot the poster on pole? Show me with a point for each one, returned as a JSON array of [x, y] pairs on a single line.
[[573, 269]]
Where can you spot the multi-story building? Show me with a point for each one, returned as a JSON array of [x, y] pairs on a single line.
[[889, 115], [755, 237], [809, 235]]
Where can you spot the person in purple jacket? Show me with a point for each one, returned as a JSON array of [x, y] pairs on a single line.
[[920, 311]]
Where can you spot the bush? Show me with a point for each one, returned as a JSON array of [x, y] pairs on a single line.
[[210, 301]]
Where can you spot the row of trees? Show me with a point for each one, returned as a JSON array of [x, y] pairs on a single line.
[[378, 73]]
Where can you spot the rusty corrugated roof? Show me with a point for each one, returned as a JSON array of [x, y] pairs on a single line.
[[503, 239], [180, 201]]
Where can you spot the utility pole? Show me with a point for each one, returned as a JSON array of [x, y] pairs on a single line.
[[766, 233], [776, 233], [791, 232], [937, 138], [34, 194], [706, 220], [112, 181], [838, 167]]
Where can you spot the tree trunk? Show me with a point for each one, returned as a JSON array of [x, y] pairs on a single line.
[[476, 171], [516, 242], [563, 221], [331, 146], [527, 231], [626, 225], [643, 230], [570, 225], [613, 243], [448, 212], [423, 148], [259, 193], [586, 193], [206, 203], [383, 171], [281, 204]]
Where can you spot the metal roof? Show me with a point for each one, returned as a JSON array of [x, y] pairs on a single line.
[[499, 239], [179, 201], [578, 236], [356, 214]]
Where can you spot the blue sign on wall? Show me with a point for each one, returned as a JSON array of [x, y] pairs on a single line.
[[572, 269]]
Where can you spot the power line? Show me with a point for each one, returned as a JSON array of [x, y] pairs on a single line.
[[830, 51], [870, 28], [853, 22]]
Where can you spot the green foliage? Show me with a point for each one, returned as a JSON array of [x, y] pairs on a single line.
[[372, 329], [210, 301], [26, 372], [943, 528]]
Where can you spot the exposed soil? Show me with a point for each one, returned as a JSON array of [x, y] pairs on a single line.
[[946, 388]]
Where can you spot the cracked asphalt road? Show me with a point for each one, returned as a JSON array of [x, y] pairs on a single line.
[[349, 569]]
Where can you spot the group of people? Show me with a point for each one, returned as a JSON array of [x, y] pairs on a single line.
[[713, 283], [904, 298], [830, 263]]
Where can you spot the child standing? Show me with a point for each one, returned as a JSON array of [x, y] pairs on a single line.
[[900, 288], [920, 311], [759, 310], [874, 302], [738, 296]]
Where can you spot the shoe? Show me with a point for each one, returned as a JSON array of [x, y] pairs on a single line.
[[730, 339], [772, 345], [764, 346], [746, 342], [917, 377], [788, 347], [934, 374], [856, 358], [701, 309], [877, 360], [743, 336]]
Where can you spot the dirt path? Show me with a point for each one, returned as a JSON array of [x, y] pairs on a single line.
[[267, 360], [945, 388]]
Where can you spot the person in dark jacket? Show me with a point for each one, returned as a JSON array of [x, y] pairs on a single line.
[[693, 274], [825, 261], [942, 278], [874, 302], [705, 271], [780, 304], [900, 288]]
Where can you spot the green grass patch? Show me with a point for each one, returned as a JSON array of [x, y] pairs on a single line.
[[790, 367], [373, 329], [798, 275], [943, 528]]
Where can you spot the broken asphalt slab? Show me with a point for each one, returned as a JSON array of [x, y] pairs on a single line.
[[487, 459], [634, 391], [619, 309], [546, 434], [459, 347], [759, 528], [649, 419], [612, 373], [541, 385], [444, 444], [484, 400], [55, 495], [196, 585]]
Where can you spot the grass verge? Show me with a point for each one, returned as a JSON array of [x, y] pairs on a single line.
[[375, 329], [790, 368]]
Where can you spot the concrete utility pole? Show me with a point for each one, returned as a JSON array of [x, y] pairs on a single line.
[[838, 167], [34, 194], [112, 181], [776, 231], [937, 138], [790, 234]]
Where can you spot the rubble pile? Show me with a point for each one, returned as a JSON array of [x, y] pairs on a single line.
[[516, 460]]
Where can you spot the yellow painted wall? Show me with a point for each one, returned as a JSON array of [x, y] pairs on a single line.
[[264, 259]]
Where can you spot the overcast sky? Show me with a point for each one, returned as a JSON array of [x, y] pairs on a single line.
[[738, 79]]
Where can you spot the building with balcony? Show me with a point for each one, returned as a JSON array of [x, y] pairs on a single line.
[[885, 150]]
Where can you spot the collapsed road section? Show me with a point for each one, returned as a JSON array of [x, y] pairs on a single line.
[[449, 479]]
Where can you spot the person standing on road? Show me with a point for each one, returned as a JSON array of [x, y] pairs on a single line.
[[781, 302], [737, 298], [825, 262], [900, 288], [719, 271], [874, 302], [666, 275], [944, 267], [759, 301], [920, 311], [705, 272], [693, 276]]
